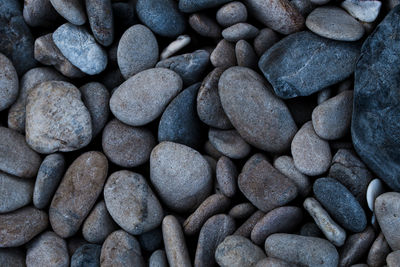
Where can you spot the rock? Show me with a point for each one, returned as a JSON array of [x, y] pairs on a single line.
[[212, 205], [204, 25], [98, 225], [16, 41], [16, 157], [279, 220], [393, 259], [158, 259], [237, 251], [226, 176], [366, 11], [279, 15], [229, 143], [19, 227], [246, 228], [80, 48], [242, 210], [77, 193], [161, 16], [375, 189], [261, 119], [311, 154], [175, 46], [8, 83], [71, 10], [125, 145], [190, 6], [285, 165], [264, 40], [378, 252], [48, 249], [180, 175], [189, 66], [311, 229], [332, 118], [231, 13], [387, 210], [74, 243], [47, 53], [223, 55], [174, 242], [56, 118], [332, 231], [211, 235], [14, 192], [101, 20], [137, 50], [144, 96], [131, 202], [264, 186], [39, 13], [239, 31], [375, 125], [351, 172], [86, 255], [210, 150], [273, 262], [121, 249], [304, 6], [304, 63], [245, 55], [12, 257], [356, 247], [340, 203], [209, 108], [302, 250], [334, 23], [151, 240]]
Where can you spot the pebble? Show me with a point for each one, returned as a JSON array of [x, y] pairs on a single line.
[[175, 46], [8, 83], [279, 15], [101, 20], [71, 10], [98, 225], [246, 228], [48, 249], [180, 175], [245, 55], [120, 249], [144, 96], [332, 118], [223, 55], [80, 48], [340, 203], [262, 119], [19, 227], [366, 11], [378, 252], [239, 31], [161, 16], [226, 176], [131, 202], [47, 53], [387, 212], [125, 145], [87, 255], [56, 118], [304, 63], [158, 259], [279, 220], [375, 189], [212, 205], [204, 25], [304, 6], [12, 257], [231, 13], [332, 231], [151, 240], [264, 40], [285, 165], [189, 66], [190, 6], [39, 13], [242, 210], [236, 251], [209, 107], [210, 150], [137, 50], [302, 250], [229, 143], [356, 247], [212, 233], [393, 259], [264, 186], [14, 192], [16, 157], [174, 242], [375, 123], [77, 193], [273, 262], [311, 229]]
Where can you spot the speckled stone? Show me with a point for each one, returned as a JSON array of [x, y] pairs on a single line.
[[229, 143], [12, 257], [39, 13], [226, 176], [131, 202], [210, 150], [356, 247], [101, 20], [245, 55], [77, 193], [239, 31], [248, 225], [8, 83], [242, 210], [387, 210], [223, 55], [87, 255], [378, 252], [264, 40], [204, 25], [71, 10], [231, 13], [14, 192], [190, 6]]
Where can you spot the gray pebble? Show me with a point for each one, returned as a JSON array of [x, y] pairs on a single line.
[[14, 192], [226, 176], [151, 240], [71, 10], [229, 143], [8, 83], [210, 150], [12, 257], [378, 252], [39, 13], [245, 55], [175, 46], [190, 6], [264, 40], [223, 55], [158, 259], [246, 228], [204, 25], [365, 11], [393, 259], [87, 255], [273, 262], [231, 13], [387, 210], [303, 6], [239, 31], [356, 247], [101, 20], [242, 210]]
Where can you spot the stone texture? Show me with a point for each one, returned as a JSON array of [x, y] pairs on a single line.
[[231, 13], [393, 259], [245, 55], [101, 20], [158, 259], [264, 40], [273, 262], [387, 210], [223, 55], [190, 6], [71, 10], [375, 189], [378, 252], [242, 210], [356, 247], [39, 13], [226, 176], [86, 255], [8, 83], [12, 257], [14, 192], [204, 25], [366, 11], [239, 31], [229, 143]]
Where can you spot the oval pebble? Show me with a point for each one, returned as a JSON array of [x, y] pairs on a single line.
[[14, 192], [101, 20], [246, 227], [86, 255], [204, 25], [223, 55], [245, 55], [71, 10], [239, 31], [231, 13], [356, 247], [175, 46], [8, 83], [375, 189], [12, 257], [226, 176], [158, 259], [365, 11], [39, 13], [387, 212], [264, 40], [378, 252], [229, 143], [242, 210]]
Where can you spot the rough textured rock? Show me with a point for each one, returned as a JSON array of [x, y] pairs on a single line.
[[71, 10], [366, 11], [231, 13], [190, 6], [8, 83], [101, 20], [14, 192], [242, 210], [229, 143], [245, 55], [387, 210], [86, 255]]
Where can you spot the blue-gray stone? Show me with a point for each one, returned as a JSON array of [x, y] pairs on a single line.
[[189, 66], [151, 240], [375, 126], [87, 255], [190, 6], [179, 122], [16, 41], [340, 203], [101, 20], [304, 63], [161, 16]]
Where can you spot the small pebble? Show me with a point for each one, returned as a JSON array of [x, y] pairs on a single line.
[[175, 46], [226, 176], [378, 252], [158, 259], [101, 20], [71, 10], [210, 150], [8, 83], [204, 25], [14, 192], [245, 55], [366, 11], [387, 211], [223, 55], [356, 247], [242, 211], [303, 6], [375, 189], [264, 40], [229, 143], [231, 13], [239, 31], [87, 255]]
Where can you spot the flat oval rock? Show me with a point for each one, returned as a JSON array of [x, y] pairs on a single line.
[[71, 10], [229, 143], [226, 176], [8, 83], [86, 255], [14, 192], [262, 119], [239, 31], [204, 25], [304, 63], [387, 211]]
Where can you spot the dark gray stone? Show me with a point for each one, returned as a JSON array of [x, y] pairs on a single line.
[[151, 240], [356, 247], [39, 13], [189, 6], [71, 10], [101, 20], [204, 25], [231, 13], [14, 192], [87, 255], [12, 257]]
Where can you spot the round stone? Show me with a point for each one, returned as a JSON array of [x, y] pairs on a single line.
[[8, 83], [387, 212], [86, 255], [223, 55], [375, 189], [378, 252], [71, 10], [245, 55], [101, 20], [264, 40], [231, 13], [14, 192], [248, 225], [239, 31], [242, 210], [229, 143], [226, 176]]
